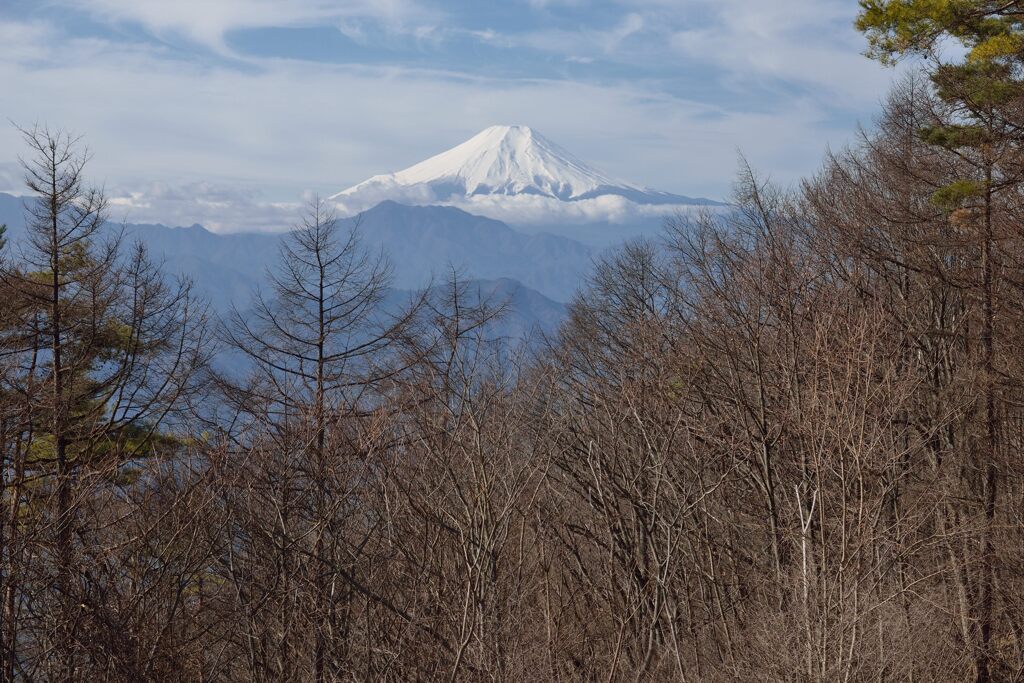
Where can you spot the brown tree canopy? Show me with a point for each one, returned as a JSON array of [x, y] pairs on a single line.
[[775, 443]]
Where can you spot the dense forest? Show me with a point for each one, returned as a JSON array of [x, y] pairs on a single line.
[[779, 443]]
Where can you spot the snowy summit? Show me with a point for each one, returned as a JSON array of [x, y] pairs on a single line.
[[497, 165]]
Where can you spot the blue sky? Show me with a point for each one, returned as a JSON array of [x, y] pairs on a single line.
[[229, 112]]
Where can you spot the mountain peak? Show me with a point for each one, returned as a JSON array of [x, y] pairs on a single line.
[[512, 139], [515, 130]]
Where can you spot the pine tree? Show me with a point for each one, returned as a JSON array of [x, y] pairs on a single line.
[[982, 92]]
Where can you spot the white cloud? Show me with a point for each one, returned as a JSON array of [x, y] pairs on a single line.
[[530, 211], [220, 208]]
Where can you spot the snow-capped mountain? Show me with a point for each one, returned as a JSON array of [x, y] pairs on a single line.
[[509, 160], [514, 173]]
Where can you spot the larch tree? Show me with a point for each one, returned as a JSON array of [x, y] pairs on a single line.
[[102, 353], [319, 344]]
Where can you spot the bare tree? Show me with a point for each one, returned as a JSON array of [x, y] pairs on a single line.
[[320, 345]]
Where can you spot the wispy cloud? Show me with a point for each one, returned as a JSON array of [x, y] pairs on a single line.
[[208, 22], [804, 42], [218, 207], [582, 43], [25, 41]]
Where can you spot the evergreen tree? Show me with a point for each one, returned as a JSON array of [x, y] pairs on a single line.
[[980, 125]]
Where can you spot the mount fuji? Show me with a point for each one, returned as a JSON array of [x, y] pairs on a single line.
[[515, 174]]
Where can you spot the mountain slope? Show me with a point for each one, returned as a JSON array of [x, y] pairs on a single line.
[[426, 241], [527, 315]]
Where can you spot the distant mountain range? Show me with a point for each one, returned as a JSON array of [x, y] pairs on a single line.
[[533, 274]]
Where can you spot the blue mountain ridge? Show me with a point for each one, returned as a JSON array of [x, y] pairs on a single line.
[[532, 273]]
